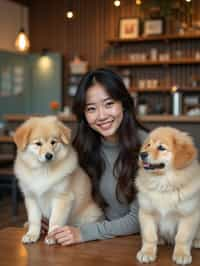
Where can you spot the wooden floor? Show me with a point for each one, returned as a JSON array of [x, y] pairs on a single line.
[[6, 218]]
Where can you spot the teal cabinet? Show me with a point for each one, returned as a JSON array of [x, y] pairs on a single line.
[[28, 83]]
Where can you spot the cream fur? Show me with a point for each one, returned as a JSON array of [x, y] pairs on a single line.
[[169, 198], [57, 189]]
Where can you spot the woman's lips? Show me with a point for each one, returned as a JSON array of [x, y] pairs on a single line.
[[105, 126]]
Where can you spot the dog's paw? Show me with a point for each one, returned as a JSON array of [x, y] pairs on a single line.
[[196, 243], [49, 241], [30, 238], [146, 256], [182, 258]]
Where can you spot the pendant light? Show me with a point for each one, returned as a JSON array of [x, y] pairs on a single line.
[[69, 13], [22, 43], [116, 3]]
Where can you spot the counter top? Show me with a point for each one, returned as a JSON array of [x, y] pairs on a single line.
[[147, 118]]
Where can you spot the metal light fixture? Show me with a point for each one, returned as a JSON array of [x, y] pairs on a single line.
[[22, 43], [69, 13]]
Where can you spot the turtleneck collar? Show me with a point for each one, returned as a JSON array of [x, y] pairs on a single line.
[[109, 144]]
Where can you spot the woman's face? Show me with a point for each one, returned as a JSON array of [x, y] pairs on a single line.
[[103, 113]]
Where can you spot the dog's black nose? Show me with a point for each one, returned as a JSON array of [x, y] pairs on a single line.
[[144, 155], [48, 156]]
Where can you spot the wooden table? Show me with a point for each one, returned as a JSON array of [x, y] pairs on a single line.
[[120, 251]]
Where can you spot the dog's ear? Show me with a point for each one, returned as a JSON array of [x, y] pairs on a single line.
[[21, 135], [184, 151], [65, 133]]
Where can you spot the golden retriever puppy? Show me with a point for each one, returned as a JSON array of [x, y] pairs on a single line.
[[168, 184], [53, 184]]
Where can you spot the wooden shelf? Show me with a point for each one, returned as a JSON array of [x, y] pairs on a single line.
[[6, 158], [162, 89], [170, 118], [6, 171], [19, 118], [183, 61], [147, 118], [156, 38], [6, 139]]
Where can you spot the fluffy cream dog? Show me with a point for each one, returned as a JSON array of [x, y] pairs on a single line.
[[53, 184], [168, 182]]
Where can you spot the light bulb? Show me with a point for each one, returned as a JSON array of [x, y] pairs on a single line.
[[69, 14], [22, 43], [138, 2], [116, 3], [188, 1]]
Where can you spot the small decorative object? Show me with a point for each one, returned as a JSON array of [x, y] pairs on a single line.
[[129, 28], [67, 110], [78, 66], [126, 77], [141, 83], [54, 106], [197, 55], [153, 54], [153, 26], [177, 101], [142, 107], [127, 81]]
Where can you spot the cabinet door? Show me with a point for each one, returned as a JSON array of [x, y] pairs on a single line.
[[46, 82]]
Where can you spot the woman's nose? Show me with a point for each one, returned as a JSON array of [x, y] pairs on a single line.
[[101, 113]]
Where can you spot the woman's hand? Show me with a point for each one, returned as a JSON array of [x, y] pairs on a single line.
[[66, 235]]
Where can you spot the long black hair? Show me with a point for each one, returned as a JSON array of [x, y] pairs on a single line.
[[87, 141]]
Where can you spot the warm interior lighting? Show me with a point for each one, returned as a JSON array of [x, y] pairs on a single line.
[[138, 2], [188, 1], [69, 14], [22, 43], [45, 64], [116, 3], [174, 88]]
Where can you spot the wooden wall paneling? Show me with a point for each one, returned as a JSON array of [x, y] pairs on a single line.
[[47, 25], [94, 23]]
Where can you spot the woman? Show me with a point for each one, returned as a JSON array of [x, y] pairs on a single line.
[[107, 142]]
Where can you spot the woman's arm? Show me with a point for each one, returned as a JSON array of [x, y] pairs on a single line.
[[108, 229], [68, 235]]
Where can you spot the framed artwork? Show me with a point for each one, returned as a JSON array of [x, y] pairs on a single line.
[[128, 28], [153, 27]]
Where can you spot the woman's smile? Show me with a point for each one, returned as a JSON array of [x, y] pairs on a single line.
[[105, 125]]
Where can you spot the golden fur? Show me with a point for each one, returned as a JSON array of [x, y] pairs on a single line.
[[168, 184], [53, 184]]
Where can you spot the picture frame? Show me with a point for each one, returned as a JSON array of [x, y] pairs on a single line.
[[153, 27], [129, 28]]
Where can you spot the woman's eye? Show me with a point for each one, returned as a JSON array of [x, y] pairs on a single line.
[[38, 143], [90, 109], [161, 148], [53, 142], [109, 104]]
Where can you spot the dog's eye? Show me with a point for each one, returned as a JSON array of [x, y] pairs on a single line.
[[161, 148], [38, 143], [53, 142]]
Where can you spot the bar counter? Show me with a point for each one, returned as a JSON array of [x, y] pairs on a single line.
[[147, 118]]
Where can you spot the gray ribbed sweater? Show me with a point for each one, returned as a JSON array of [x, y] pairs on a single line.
[[121, 219]]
